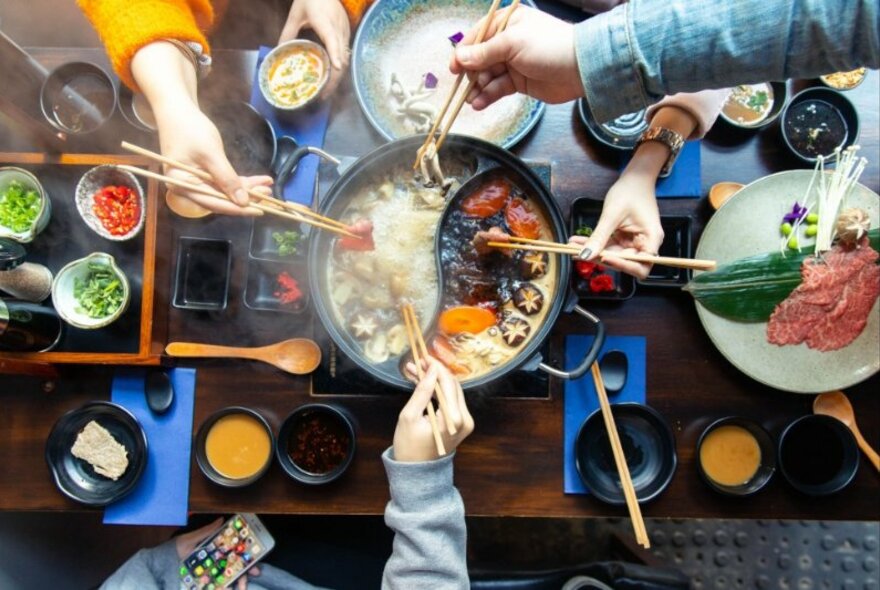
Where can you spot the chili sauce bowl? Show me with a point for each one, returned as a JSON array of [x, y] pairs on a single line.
[[65, 301], [88, 187], [275, 58], [233, 447], [316, 444], [10, 174]]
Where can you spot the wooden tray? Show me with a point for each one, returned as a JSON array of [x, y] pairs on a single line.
[[129, 340]]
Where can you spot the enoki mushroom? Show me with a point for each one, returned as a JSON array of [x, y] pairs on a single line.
[[412, 106]]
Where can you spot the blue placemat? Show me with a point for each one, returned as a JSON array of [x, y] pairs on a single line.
[[161, 497], [305, 127], [686, 178], [580, 394]]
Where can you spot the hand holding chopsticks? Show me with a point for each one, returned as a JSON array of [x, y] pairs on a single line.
[[572, 250], [266, 204]]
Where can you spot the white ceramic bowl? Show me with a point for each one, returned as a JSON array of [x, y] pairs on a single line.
[[8, 174], [279, 53], [96, 179], [66, 304]]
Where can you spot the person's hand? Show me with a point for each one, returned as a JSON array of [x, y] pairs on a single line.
[[330, 22], [413, 437], [535, 55], [187, 543], [630, 222], [189, 136]]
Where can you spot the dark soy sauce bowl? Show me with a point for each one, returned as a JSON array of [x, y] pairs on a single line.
[[648, 445], [818, 455], [202, 455], [836, 101], [204, 267], [334, 422], [766, 467], [78, 98]]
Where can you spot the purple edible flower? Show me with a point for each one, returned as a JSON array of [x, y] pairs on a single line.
[[797, 213], [456, 38], [430, 80]]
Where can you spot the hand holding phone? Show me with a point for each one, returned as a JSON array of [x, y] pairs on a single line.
[[226, 554]]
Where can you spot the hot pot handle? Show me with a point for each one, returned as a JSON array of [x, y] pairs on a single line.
[[288, 167], [591, 355]]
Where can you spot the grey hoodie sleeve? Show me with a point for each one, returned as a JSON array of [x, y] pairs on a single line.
[[426, 514], [633, 55]]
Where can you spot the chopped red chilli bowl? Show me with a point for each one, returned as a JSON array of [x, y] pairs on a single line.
[[111, 202], [316, 444]]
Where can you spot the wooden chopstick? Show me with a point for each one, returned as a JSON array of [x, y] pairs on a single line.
[[441, 395], [557, 248], [473, 81], [205, 175], [629, 492], [430, 138], [432, 415], [211, 192]]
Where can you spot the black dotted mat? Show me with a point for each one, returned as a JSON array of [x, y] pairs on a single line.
[[765, 555]]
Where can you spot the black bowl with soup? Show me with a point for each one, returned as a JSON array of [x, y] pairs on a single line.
[[482, 317], [817, 121], [752, 106]]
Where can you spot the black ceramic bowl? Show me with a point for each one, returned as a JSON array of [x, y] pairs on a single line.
[[297, 437], [76, 478], [202, 457], [780, 99], [78, 97], [826, 96], [818, 455], [648, 445], [620, 134], [766, 467], [248, 138]]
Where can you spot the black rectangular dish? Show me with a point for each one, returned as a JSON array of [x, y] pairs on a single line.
[[585, 214], [269, 236], [269, 282], [202, 277], [677, 244]]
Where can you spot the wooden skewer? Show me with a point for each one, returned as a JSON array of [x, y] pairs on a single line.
[[441, 395], [557, 248], [480, 36], [470, 86], [211, 192], [432, 415], [205, 175], [629, 492]]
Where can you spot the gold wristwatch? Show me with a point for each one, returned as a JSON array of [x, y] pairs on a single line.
[[674, 141]]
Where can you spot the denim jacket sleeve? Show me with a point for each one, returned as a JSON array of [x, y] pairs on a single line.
[[633, 55]]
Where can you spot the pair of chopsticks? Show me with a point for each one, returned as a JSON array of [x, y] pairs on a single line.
[[276, 207], [431, 147], [557, 248], [419, 352], [629, 491]]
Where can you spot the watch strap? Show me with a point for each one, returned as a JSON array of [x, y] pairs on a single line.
[[674, 141]]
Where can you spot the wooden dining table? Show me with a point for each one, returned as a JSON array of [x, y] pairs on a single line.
[[512, 465]]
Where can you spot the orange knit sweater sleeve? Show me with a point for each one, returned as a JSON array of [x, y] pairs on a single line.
[[355, 10], [127, 25]]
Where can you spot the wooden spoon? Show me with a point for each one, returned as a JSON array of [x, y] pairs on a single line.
[[298, 356], [721, 192], [836, 405]]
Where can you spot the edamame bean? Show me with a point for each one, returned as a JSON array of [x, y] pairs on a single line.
[[793, 243], [812, 218], [785, 228], [811, 230]]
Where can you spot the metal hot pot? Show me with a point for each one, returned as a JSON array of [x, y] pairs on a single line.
[[484, 156]]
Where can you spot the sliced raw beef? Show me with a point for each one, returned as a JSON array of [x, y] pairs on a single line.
[[830, 308]]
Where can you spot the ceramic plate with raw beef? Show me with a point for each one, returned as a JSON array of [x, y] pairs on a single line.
[[818, 327]]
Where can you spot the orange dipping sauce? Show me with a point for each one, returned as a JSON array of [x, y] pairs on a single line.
[[730, 455], [238, 446]]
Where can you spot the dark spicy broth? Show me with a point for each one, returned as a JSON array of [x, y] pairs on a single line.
[[812, 453], [815, 128]]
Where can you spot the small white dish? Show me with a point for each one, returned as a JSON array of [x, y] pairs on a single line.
[[92, 182], [279, 53], [65, 302], [9, 174]]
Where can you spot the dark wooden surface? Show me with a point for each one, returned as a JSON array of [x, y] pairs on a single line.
[[512, 464]]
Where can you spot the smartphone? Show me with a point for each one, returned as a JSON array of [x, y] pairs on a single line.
[[226, 554]]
